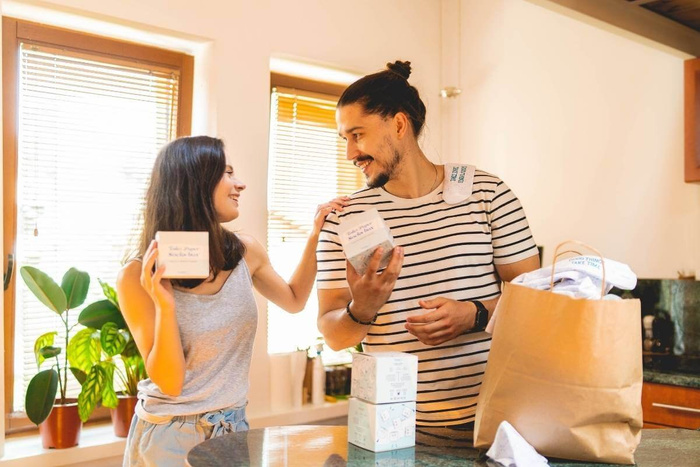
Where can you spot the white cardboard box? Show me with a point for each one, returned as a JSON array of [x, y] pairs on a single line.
[[384, 377], [381, 427], [185, 254], [361, 234]]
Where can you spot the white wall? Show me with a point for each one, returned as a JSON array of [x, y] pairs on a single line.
[[586, 126], [235, 39]]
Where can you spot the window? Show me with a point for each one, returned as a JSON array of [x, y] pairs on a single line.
[[84, 118], [307, 167]]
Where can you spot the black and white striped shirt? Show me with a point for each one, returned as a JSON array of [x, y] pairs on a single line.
[[449, 251]]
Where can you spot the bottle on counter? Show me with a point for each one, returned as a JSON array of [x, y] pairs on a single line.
[[318, 378]]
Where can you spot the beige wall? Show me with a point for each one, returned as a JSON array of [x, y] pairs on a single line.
[[586, 126], [234, 41]]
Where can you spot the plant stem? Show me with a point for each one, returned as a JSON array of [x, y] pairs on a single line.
[[60, 384], [65, 369]]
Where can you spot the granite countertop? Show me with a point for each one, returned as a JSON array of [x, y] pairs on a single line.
[[436, 447], [676, 370]]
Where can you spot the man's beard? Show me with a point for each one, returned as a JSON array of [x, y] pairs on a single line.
[[383, 178]]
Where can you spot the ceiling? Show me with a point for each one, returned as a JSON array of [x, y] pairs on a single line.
[[685, 12]]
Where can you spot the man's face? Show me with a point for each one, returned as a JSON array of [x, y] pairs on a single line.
[[371, 143]]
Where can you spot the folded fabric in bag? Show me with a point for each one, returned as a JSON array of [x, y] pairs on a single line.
[[566, 373], [576, 269]]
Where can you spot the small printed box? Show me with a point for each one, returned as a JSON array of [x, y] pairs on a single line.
[[361, 234], [381, 427], [185, 254], [405, 457], [384, 377]]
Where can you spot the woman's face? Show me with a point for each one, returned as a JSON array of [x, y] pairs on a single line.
[[226, 196]]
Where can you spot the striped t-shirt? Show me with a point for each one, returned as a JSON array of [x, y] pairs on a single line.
[[449, 251]]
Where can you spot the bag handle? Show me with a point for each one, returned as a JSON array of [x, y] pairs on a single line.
[[577, 242]]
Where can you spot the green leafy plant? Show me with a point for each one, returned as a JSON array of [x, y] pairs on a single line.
[[96, 351], [42, 389]]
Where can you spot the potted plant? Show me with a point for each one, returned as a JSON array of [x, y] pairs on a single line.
[[105, 350], [58, 420]]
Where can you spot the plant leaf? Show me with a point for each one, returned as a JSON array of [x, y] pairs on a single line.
[[131, 349], [41, 394], [80, 375], [109, 396], [75, 285], [84, 349], [43, 341], [109, 292], [44, 288], [49, 351], [113, 342], [91, 392], [95, 315]]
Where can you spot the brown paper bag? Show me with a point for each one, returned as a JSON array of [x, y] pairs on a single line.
[[566, 373]]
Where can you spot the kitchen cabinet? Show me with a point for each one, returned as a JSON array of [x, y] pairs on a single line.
[[692, 120], [666, 406]]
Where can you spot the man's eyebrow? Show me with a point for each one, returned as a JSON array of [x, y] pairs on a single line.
[[350, 130]]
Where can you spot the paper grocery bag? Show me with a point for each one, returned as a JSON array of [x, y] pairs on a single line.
[[566, 373]]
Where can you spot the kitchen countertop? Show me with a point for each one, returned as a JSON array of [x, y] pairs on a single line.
[[327, 446], [676, 370]]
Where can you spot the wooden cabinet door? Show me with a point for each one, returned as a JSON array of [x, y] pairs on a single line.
[[692, 120], [670, 406]]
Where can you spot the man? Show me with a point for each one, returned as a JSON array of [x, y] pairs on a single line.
[[443, 279]]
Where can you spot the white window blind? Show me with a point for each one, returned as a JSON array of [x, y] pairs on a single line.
[[89, 130], [307, 167]]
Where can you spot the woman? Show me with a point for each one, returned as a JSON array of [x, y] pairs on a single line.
[[196, 335]]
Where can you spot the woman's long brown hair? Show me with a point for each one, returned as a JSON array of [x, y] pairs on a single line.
[[180, 197]]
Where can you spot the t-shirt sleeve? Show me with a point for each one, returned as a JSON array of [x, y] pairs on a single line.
[[510, 231], [330, 257]]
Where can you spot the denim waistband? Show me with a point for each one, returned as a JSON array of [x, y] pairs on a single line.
[[223, 420]]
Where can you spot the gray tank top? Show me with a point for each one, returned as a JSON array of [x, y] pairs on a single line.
[[217, 333]]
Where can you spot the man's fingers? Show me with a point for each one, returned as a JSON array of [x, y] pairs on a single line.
[[394, 267], [432, 303], [374, 262]]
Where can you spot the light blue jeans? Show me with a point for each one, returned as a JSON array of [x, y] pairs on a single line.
[[158, 440]]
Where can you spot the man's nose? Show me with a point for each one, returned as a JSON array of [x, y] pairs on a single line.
[[351, 151]]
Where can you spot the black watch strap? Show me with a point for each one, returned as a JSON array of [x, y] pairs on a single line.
[[481, 318]]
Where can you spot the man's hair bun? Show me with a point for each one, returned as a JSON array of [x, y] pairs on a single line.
[[403, 69]]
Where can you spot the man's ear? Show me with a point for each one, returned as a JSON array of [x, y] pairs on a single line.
[[402, 125]]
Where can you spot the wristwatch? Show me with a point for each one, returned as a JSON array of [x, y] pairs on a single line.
[[482, 316]]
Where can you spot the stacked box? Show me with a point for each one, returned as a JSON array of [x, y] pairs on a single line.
[[382, 412]]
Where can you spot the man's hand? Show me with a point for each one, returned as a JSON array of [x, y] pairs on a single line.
[[371, 290], [449, 319]]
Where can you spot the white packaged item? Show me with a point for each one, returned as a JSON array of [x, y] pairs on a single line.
[[318, 381], [404, 457], [510, 449], [458, 182], [361, 234], [184, 254], [381, 427], [384, 377]]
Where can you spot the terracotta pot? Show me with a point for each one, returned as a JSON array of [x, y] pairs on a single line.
[[62, 428], [122, 415]]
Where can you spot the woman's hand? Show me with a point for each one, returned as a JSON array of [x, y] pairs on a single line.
[[160, 290], [322, 210]]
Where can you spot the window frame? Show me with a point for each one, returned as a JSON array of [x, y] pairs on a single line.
[[14, 32], [308, 87]]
